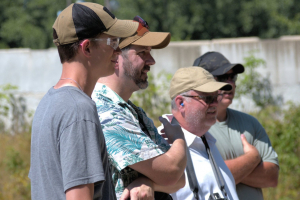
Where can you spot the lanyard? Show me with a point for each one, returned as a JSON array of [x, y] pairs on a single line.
[[191, 171], [219, 178]]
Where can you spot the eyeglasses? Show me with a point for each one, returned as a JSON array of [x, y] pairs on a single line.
[[225, 77], [143, 26], [113, 42], [207, 99]]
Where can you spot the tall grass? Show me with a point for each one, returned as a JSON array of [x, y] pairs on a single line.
[[14, 166]]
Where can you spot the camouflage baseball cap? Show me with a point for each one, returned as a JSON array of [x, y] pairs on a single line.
[[195, 78], [217, 64]]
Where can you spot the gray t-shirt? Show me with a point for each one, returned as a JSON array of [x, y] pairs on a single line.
[[229, 144], [67, 147]]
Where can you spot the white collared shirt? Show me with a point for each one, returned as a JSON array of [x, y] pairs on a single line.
[[207, 183]]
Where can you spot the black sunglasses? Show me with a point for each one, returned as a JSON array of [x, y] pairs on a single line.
[[225, 77], [207, 99]]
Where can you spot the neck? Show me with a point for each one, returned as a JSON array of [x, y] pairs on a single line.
[[222, 113], [118, 85], [76, 74]]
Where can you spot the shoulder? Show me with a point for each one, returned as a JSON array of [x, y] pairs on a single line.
[[67, 100], [241, 116]]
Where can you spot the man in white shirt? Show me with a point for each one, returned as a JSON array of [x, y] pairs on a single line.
[[194, 94]]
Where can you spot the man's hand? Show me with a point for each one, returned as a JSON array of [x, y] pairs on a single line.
[[139, 189], [243, 165], [172, 132], [250, 150]]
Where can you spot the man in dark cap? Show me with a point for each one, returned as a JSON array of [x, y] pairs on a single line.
[[241, 139]]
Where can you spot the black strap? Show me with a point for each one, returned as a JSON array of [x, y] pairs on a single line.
[[219, 178], [157, 195], [190, 169], [140, 118]]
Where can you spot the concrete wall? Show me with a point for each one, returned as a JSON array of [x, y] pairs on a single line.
[[35, 71]]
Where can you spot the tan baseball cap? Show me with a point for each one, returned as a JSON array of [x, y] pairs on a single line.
[[85, 20], [144, 37], [195, 78]]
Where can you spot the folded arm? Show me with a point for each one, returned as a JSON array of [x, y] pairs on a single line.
[[264, 175], [168, 168], [243, 165], [165, 169]]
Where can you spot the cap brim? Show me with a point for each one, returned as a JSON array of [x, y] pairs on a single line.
[[213, 87], [122, 28], [156, 40], [238, 68]]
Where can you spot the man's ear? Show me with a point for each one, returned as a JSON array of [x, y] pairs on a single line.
[[85, 46], [179, 100]]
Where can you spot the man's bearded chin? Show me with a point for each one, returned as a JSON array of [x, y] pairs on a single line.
[[143, 84]]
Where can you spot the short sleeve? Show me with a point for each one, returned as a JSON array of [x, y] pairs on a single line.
[[126, 143], [263, 145], [80, 154]]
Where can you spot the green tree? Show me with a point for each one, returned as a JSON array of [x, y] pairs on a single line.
[[255, 86], [13, 111], [283, 129], [153, 99], [28, 23], [209, 19]]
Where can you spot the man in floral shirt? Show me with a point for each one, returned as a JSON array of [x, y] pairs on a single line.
[[135, 148]]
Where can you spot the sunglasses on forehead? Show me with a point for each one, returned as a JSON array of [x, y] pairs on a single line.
[[207, 99], [225, 77], [143, 26]]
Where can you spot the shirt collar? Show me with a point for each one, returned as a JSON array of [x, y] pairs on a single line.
[[108, 93], [190, 137]]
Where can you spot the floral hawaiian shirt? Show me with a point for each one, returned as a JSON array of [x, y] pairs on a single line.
[[126, 141]]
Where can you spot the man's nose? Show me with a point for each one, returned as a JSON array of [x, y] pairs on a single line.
[[150, 60]]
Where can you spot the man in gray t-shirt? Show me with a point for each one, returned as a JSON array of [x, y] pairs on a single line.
[[68, 147], [241, 139], [68, 152]]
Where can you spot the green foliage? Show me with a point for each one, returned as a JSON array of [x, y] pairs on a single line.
[[255, 86], [152, 99], [13, 110], [28, 23], [283, 129], [14, 145]]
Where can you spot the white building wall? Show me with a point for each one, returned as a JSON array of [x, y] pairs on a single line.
[[35, 71]]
